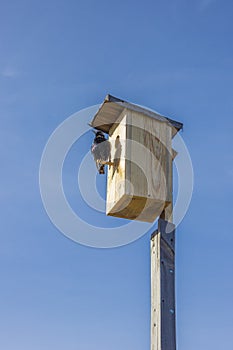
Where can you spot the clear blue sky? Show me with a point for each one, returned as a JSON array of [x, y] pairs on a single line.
[[58, 57]]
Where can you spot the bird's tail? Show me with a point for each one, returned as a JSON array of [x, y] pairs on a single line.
[[101, 169]]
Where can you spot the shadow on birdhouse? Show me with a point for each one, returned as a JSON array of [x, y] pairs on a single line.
[[139, 184], [117, 156]]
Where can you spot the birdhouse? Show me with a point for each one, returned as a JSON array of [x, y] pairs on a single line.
[[139, 180]]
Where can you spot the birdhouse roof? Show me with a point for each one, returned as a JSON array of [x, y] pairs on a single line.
[[112, 107]]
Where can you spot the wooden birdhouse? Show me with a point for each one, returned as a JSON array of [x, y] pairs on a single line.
[[139, 184]]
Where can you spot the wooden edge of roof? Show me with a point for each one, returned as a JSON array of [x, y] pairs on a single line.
[[112, 99]]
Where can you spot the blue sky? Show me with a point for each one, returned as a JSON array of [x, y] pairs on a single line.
[[58, 57]]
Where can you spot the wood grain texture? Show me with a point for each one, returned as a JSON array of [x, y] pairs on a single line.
[[116, 182], [163, 315], [112, 107], [140, 185]]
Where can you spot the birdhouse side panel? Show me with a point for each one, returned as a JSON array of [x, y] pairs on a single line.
[[139, 182], [137, 208], [149, 151]]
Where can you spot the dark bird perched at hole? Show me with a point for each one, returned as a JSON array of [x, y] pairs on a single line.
[[101, 151]]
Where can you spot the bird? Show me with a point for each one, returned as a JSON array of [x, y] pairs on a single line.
[[101, 150]]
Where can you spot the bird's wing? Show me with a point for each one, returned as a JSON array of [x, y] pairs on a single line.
[[105, 150], [95, 152]]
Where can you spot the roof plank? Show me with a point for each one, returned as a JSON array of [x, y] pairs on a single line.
[[112, 107]]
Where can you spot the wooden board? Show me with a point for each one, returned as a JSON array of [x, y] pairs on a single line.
[[163, 315], [140, 185], [112, 107], [116, 183]]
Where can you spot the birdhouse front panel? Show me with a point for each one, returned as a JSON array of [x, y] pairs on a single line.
[[116, 182], [139, 183]]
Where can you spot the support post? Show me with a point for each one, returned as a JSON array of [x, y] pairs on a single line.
[[163, 315]]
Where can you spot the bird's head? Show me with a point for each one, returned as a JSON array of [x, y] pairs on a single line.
[[99, 135]]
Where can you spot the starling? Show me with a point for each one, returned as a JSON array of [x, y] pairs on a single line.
[[101, 150]]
